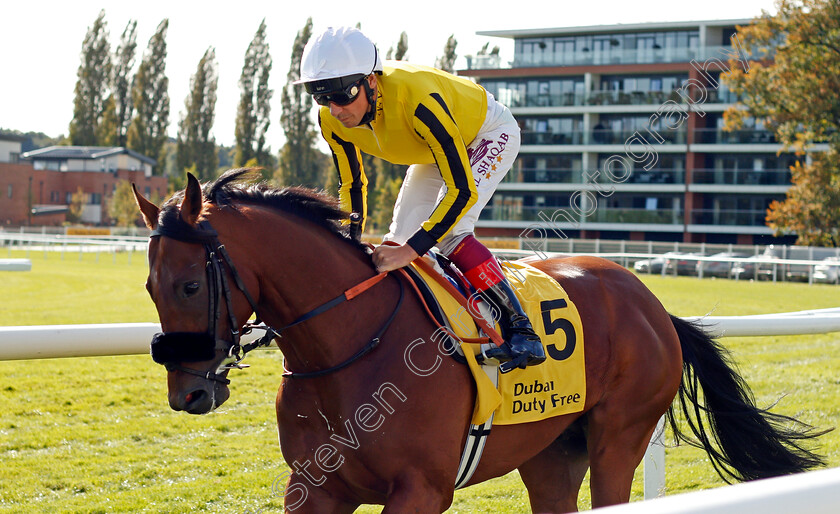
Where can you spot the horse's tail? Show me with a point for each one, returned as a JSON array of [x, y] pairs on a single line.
[[742, 441]]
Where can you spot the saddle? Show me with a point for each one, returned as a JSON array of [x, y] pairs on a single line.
[[553, 388]]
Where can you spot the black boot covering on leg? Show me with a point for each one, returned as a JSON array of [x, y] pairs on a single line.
[[523, 344]]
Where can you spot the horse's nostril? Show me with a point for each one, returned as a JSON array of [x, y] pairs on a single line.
[[193, 397]]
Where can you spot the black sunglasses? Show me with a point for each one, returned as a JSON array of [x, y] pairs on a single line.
[[340, 98]]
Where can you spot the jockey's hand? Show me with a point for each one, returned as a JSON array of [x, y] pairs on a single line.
[[387, 258]]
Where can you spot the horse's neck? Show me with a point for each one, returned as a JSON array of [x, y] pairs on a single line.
[[301, 267]]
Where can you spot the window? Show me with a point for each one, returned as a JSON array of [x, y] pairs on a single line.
[[10, 191]]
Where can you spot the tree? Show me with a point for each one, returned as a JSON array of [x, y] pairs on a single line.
[[77, 206], [483, 51], [195, 144], [253, 116], [150, 96], [106, 129], [402, 49], [122, 207], [798, 96], [123, 63], [447, 61], [387, 189], [92, 84], [299, 162], [812, 207]]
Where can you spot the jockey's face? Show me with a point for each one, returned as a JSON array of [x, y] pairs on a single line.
[[351, 115]]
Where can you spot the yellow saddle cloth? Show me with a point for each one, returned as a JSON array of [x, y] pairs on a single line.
[[555, 387]]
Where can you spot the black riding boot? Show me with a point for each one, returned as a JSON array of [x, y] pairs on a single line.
[[522, 346]]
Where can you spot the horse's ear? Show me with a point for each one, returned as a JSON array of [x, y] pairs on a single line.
[[191, 205], [147, 209]]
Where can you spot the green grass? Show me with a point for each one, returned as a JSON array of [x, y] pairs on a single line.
[[96, 434], [76, 288]]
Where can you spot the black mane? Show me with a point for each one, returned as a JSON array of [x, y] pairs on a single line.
[[241, 186]]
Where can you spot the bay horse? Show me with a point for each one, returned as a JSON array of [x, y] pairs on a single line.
[[358, 425]]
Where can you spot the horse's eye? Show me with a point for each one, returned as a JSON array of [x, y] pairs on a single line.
[[191, 288]]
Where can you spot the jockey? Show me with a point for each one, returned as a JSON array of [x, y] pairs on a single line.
[[459, 142]]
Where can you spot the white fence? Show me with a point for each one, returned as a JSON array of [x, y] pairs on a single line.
[[816, 492], [54, 341], [764, 267], [15, 265], [63, 243]]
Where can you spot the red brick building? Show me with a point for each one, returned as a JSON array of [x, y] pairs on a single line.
[[36, 187]]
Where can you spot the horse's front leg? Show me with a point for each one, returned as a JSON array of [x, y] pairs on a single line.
[[414, 492], [302, 497]]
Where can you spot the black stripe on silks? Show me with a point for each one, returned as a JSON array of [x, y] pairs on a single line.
[[439, 99], [421, 241], [355, 171], [456, 168]]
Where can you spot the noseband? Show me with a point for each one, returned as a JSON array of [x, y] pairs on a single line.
[[170, 348]]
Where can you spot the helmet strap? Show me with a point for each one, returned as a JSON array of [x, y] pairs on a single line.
[[371, 98]]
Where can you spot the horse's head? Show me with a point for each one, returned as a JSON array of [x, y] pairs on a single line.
[[203, 301], [189, 286]]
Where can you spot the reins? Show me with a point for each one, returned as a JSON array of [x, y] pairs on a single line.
[[374, 342]]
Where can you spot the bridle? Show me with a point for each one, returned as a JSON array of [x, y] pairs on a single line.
[[170, 348]]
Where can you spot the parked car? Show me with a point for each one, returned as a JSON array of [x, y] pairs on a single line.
[[744, 271], [787, 271], [683, 263], [649, 265], [655, 264], [722, 268], [829, 272]]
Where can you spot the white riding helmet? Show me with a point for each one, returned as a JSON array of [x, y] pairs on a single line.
[[336, 58]]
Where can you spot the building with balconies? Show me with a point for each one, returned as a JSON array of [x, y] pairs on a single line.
[[622, 136]]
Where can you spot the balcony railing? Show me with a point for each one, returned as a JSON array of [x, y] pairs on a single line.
[[769, 177], [571, 176], [610, 97], [716, 136], [604, 136], [661, 176], [597, 137], [544, 100], [728, 217], [588, 57], [553, 138], [718, 96], [603, 215], [543, 176]]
